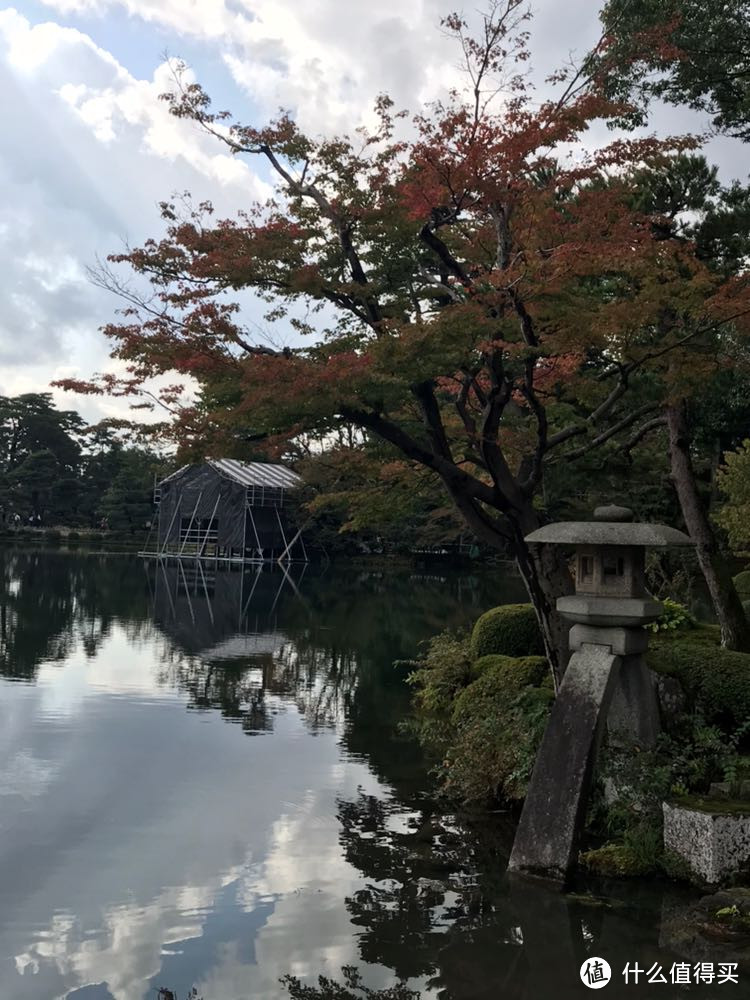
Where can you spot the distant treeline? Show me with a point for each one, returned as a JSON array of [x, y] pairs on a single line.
[[55, 470]]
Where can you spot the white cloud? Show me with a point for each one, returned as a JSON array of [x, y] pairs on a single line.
[[93, 151], [234, 846], [90, 149], [327, 59], [24, 775]]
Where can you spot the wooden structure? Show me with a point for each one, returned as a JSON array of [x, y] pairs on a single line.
[[227, 510]]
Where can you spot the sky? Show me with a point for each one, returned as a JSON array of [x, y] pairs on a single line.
[[88, 150]]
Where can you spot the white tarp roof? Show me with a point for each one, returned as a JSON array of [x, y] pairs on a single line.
[[249, 473], [256, 473]]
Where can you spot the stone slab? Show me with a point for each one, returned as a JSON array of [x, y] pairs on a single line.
[[609, 611], [715, 845], [609, 533], [546, 841], [622, 641], [724, 790], [633, 718]]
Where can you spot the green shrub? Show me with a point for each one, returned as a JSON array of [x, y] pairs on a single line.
[[53, 536], [681, 763], [746, 608], [482, 704], [73, 536], [441, 673], [674, 617], [498, 721], [510, 630], [716, 680], [520, 669], [742, 583], [615, 861]]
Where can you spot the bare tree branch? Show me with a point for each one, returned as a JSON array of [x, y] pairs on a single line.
[[605, 436]]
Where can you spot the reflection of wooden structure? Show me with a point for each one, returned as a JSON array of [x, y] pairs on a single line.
[[221, 614], [224, 641], [227, 510]]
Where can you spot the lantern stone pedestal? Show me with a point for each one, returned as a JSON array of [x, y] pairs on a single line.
[[606, 682]]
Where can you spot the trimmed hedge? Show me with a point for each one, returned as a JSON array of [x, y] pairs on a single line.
[[498, 722], [519, 670], [510, 630], [716, 680], [742, 583]]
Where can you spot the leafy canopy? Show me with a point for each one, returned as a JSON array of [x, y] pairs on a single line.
[[734, 482], [693, 52], [482, 294]]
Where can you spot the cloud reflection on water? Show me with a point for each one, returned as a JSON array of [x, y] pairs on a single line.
[[157, 845]]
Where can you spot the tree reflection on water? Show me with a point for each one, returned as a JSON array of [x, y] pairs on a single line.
[[248, 642], [438, 905], [433, 903]]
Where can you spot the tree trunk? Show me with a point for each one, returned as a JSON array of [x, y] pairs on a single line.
[[735, 630], [543, 570], [545, 573]]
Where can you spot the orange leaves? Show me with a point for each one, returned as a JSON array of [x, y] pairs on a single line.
[[85, 387], [493, 259], [279, 385], [551, 372]]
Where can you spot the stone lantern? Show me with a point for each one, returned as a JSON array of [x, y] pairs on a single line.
[[606, 679], [610, 578]]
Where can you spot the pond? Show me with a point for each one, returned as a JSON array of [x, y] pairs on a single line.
[[203, 782]]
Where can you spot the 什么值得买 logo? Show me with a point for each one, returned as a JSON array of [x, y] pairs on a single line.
[[595, 973]]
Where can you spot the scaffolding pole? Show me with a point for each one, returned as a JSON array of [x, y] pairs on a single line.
[[169, 529], [244, 528], [259, 549], [283, 536], [258, 571], [298, 536], [284, 578], [205, 591], [208, 530], [187, 591], [166, 584], [192, 518]]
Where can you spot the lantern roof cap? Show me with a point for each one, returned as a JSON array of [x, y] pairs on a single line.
[[612, 525]]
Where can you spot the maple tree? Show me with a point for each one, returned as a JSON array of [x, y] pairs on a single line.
[[483, 294]]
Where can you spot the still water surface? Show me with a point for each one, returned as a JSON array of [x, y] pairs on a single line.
[[203, 782]]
